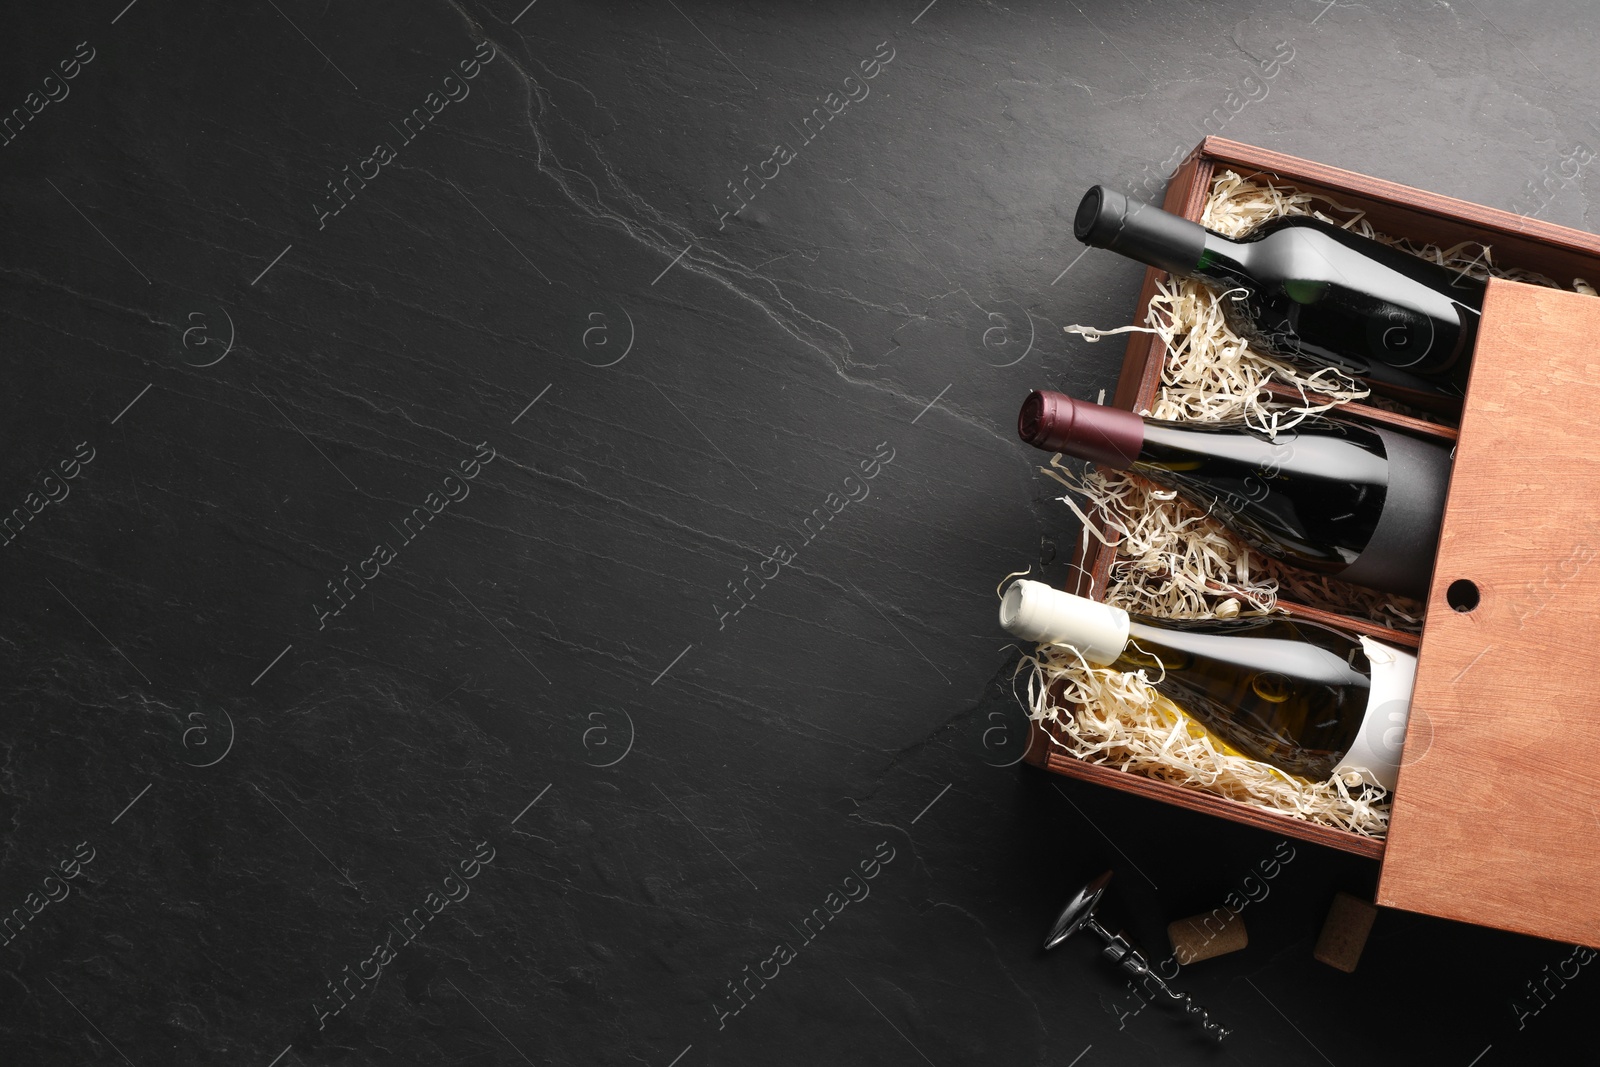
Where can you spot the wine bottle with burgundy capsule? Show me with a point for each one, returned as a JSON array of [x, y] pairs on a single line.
[[1304, 697], [1310, 291], [1359, 503]]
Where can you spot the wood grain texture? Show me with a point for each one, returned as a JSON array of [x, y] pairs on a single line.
[[1038, 750], [1286, 826], [1496, 817], [1359, 626], [1367, 413]]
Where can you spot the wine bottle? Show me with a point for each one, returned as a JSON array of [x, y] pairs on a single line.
[[1304, 697], [1360, 503], [1310, 291]]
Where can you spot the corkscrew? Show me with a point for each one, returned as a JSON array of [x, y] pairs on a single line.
[[1079, 915]]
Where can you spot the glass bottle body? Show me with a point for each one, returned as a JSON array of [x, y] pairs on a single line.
[[1311, 498], [1317, 294], [1290, 693]]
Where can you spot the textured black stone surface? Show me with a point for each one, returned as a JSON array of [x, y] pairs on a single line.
[[543, 679]]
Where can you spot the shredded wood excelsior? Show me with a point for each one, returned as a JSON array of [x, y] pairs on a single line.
[[1173, 561], [1112, 718]]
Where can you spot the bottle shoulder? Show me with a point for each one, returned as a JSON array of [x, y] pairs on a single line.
[[1308, 228]]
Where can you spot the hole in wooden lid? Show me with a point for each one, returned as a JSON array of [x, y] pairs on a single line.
[[1462, 595]]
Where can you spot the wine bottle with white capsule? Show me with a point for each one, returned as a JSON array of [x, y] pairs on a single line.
[[1359, 503], [1309, 699], [1310, 291]]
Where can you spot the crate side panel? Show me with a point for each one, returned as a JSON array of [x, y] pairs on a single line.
[[1497, 812]]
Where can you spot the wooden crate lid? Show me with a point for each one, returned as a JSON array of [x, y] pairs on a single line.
[[1497, 813]]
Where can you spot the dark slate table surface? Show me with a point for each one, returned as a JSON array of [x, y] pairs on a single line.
[[525, 587]]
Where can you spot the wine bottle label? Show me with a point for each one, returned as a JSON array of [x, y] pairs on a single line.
[[1399, 557], [1377, 750]]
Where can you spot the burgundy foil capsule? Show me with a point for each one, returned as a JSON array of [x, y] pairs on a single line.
[[1056, 422]]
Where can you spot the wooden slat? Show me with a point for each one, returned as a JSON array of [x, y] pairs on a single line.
[[1497, 813], [1359, 626], [1194, 800], [1367, 413]]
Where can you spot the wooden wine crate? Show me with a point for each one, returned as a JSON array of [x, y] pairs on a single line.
[[1496, 816]]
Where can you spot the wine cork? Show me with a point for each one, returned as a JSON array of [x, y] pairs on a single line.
[[1344, 935], [1201, 937]]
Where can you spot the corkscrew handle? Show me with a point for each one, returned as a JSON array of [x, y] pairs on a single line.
[[1079, 915]]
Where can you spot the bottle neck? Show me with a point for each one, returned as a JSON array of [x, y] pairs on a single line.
[[1180, 448], [1120, 440], [1037, 612], [1107, 219], [1103, 435], [1139, 633]]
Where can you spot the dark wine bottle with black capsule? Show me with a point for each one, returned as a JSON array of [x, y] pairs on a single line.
[[1310, 291], [1359, 503], [1306, 698]]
